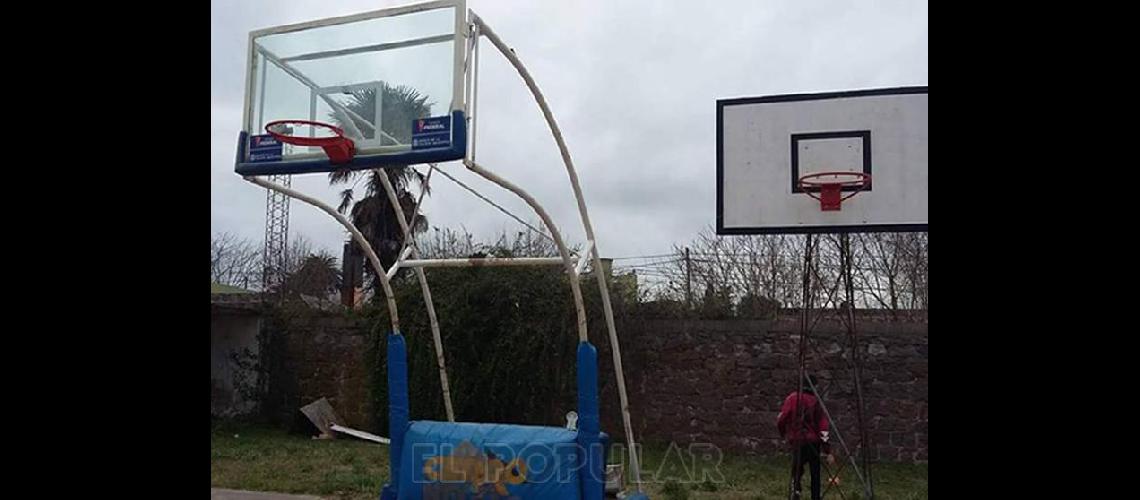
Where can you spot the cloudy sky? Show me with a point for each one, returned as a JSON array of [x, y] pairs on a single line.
[[633, 84]]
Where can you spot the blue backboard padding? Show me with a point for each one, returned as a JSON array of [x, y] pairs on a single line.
[[589, 429], [551, 456], [457, 151], [397, 399]]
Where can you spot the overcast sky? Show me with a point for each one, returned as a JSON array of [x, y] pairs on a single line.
[[633, 84]]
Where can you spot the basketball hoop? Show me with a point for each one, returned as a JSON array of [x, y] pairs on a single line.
[[830, 186], [339, 148]]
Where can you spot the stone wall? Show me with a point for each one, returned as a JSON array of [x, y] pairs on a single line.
[[722, 382], [318, 355], [690, 381]]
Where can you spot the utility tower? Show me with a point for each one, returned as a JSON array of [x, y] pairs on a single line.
[[276, 236]]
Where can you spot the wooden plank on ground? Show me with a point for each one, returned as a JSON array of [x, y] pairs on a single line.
[[361, 434], [321, 414]]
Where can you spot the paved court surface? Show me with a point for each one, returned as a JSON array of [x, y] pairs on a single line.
[[222, 494]]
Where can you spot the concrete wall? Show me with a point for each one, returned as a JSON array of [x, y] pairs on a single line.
[[232, 332]]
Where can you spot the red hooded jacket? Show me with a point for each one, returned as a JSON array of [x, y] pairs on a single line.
[[814, 420]]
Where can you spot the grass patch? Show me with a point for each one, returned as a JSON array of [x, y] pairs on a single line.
[[263, 459], [741, 477], [672, 490]]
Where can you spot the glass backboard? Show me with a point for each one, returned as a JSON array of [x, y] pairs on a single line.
[[391, 79]]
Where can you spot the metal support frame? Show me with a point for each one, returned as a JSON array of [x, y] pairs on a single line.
[[573, 264], [410, 249], [399, 262], [473, 97], [582, 262], [857, 367], [862, 467], [575, 288], [275, 251], [805, 309], [615, 348], [393, 314], [379, 47], [378, 134], [484, 262]]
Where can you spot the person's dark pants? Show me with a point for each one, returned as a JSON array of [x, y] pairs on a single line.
[[806, 454]]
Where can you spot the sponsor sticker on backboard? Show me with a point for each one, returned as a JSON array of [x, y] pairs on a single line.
[[428, 133]]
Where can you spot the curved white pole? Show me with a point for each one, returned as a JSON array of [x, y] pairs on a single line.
[[394, 200], [603, 289], [356, 235], [567, 262]]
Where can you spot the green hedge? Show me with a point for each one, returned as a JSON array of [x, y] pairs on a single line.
[[509, 337]]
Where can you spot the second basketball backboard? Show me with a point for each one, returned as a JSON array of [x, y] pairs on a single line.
[[767, 145]]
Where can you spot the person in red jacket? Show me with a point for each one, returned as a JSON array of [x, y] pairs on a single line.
[[804, 426]]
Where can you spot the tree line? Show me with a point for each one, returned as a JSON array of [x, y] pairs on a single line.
[[743, 272]]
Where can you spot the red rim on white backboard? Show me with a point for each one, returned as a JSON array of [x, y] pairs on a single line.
[[827, 187]]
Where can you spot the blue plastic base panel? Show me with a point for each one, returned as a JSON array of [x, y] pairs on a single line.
[[388, 493], [637, 496], [445, 460]]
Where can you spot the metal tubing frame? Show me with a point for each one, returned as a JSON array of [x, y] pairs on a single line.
[[356, 235], [472, 99], [573, 266], [484, 262], [853, 337], [394, 200], [582, 262], [363, 16], [810, 268], [484, 30], [839, 436], [556, 235], [399, 262], [377, 47]]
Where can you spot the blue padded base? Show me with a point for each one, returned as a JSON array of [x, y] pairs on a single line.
[[462, 460]]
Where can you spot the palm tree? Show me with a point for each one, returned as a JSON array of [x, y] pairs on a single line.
[[317, 276], [373, 215]]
